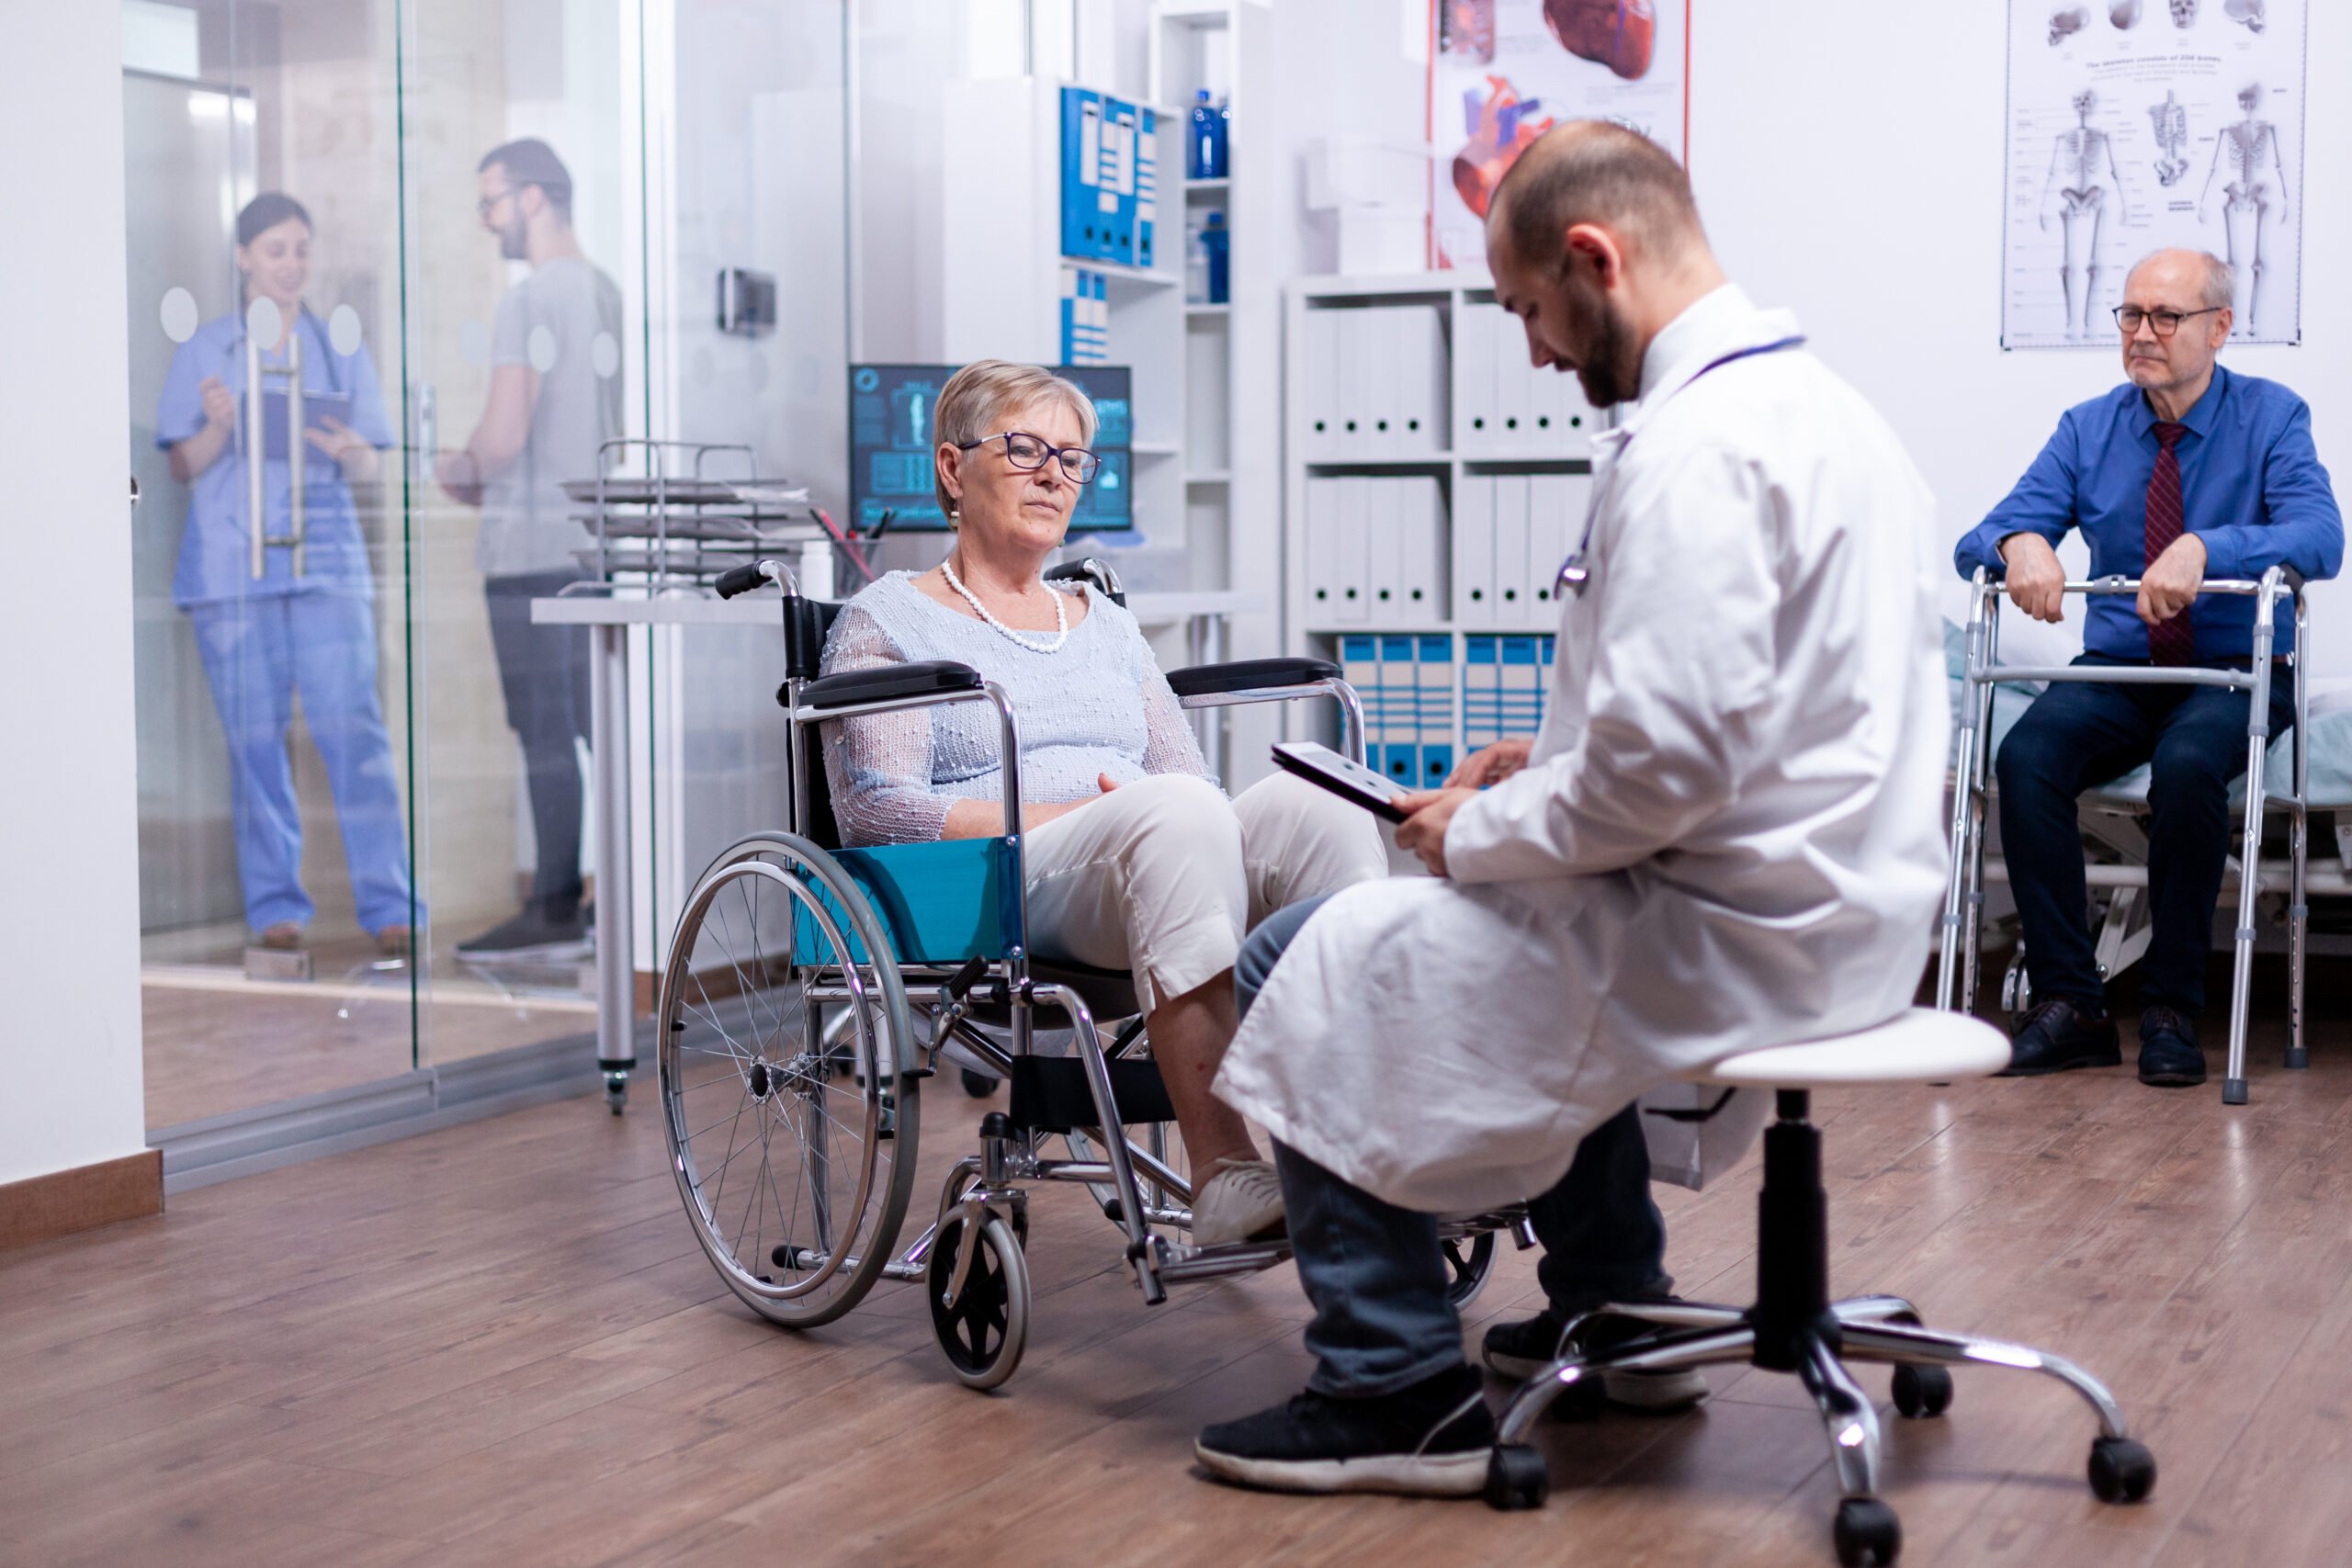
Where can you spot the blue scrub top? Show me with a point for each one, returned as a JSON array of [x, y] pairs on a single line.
[[216, 559]]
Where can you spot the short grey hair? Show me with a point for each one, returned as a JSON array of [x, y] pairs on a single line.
[[977, 398], [2221, 289]]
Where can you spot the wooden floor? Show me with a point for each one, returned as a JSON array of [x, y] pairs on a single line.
[[498, 1344]]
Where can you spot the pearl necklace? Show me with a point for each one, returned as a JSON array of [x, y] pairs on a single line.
[[1061, 614]]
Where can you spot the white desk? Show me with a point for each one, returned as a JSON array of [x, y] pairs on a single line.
[[1203, 615]]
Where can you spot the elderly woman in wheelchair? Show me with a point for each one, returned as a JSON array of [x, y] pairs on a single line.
[[1119, 889], [1134, 859]]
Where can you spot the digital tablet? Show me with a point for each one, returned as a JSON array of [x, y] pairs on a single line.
[[1326, 769]]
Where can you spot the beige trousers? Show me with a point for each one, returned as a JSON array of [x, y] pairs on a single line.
[[1164, 877]]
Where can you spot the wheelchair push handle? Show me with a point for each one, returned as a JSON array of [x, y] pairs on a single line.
[[743, 578]]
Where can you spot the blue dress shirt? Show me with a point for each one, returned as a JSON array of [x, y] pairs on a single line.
[[2250, 482]]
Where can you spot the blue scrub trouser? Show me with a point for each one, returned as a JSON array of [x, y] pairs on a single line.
[[258, 654], [2078, 734], [1373, 1272]]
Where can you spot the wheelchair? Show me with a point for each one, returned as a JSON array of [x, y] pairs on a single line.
[[2117, 834], [811, 989]]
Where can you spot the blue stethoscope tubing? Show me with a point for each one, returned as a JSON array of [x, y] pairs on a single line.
[[1575, 576]]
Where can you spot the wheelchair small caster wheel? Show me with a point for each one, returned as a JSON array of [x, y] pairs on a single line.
[[985, 1331], [979, 1086], [1867, 1532], [2122, 1470], [1469, 1263], [1922, 1390], [1516, 1478]]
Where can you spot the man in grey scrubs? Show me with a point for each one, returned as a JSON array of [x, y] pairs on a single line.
[[554, 397]]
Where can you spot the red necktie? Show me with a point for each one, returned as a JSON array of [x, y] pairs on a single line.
[[2172, 641]]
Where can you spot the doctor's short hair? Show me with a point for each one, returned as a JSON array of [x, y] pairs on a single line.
[[1596, 171], [981, 396], [265, 212], [531, 162]]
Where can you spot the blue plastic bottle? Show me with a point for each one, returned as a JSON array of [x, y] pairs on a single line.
[[1200, 147], [1215, 242], [1224, 138]]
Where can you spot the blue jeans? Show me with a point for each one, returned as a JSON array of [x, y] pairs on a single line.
[[258, 654], [2078, 734], [1373, 1272]]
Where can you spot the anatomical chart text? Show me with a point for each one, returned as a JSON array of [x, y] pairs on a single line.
[[2134, 125]]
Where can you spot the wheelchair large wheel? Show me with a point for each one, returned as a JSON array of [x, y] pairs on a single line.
[[793, 1151]]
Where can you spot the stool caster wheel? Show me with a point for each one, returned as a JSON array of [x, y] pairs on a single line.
[[1516, 1478], [2122, 1470], [1921, 1392], [979, 1086], [616, 1092], [1867, 1532]]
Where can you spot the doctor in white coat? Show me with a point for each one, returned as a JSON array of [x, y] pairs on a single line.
[[1726, 836]]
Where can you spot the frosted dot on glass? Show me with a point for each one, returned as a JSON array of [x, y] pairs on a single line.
[[473, 343], [178, 313], [263, 321], [604, 356], [540, 345], [344, 330]]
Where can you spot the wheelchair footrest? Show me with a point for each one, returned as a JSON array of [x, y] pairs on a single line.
[[1050, 1094]]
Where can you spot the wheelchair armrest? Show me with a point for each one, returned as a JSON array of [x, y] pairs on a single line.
[[920, 678], [1250, 675]]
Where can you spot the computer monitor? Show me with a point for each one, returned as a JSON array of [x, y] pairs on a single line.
[[889, 446]]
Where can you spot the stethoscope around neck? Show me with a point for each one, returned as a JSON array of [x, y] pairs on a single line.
[[1575, 575]]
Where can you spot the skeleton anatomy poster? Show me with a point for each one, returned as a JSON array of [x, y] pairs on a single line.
[[2138, 124], [1505, 70]]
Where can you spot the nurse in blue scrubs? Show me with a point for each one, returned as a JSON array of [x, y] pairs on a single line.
[[263, 640]]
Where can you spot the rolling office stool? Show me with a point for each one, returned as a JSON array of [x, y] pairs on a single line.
[[1794, 1326]]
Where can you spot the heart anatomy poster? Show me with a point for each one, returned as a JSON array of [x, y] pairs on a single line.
[[1503, 72], [2135, 125]]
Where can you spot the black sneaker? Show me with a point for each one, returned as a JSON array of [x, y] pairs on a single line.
[[533, 934], [2169, 1055], [1431, 1440], [2059, 1034], [1520, 1350]]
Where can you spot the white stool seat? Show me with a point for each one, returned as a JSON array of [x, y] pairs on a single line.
[[1919, 1045]]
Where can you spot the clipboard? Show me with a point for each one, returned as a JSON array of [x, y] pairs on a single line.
[[317, 408]]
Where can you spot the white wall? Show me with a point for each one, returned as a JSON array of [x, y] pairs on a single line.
[[1849, 168], [69, 1078]]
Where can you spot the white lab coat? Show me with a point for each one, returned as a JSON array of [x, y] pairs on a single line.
[[1729, 832]]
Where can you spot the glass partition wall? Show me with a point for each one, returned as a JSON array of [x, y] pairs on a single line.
[[399, 269]]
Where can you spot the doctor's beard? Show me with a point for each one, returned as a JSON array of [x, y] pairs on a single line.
[[1609, 369]]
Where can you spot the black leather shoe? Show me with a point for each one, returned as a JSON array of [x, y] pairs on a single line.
[[2169, 1055], [2058, 1035]]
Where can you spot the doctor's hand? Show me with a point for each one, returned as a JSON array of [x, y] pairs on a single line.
[[1427, 812], [1489, 764], [2036, 583], [338, 440], [220, 404], [2170, 584]]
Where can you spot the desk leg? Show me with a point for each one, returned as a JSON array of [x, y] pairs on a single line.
[[616, 906]]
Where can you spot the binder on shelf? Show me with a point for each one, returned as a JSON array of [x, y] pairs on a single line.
[[1474, 348], [1481, 693], [1399, 733], [1433, 707], [1418, 333], [1086, 317], [1550, 500], [1320, 382], [1321, 564], [1420, 532], [1522, 662], [1385, 547], [1511, 595], [1146, 186], [1474, 550], [1359, 667], [1351, 604]]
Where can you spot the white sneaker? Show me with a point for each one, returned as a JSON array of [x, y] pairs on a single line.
[[1242, 1201]]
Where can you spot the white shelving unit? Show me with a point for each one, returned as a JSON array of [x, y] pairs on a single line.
[[1546, 431]]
